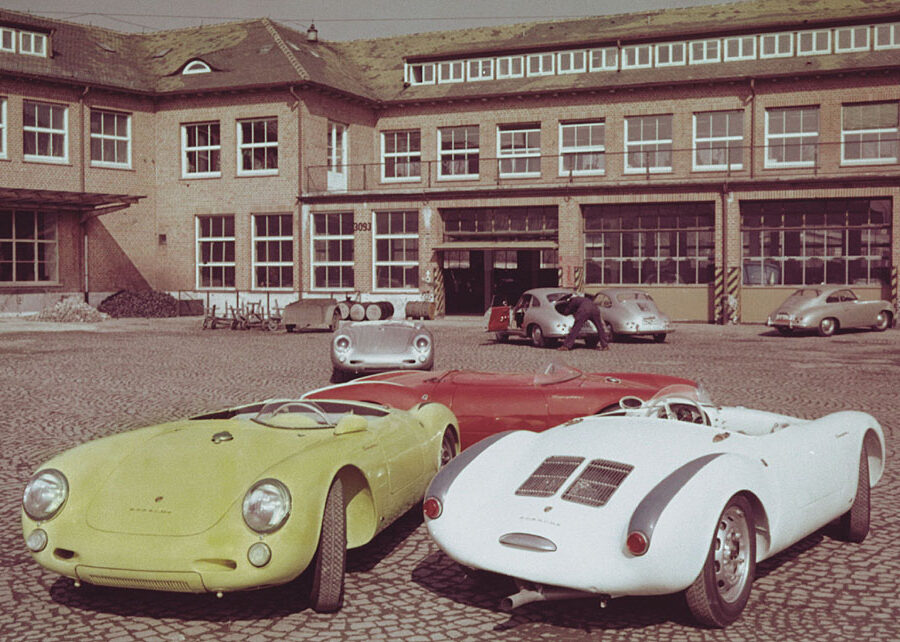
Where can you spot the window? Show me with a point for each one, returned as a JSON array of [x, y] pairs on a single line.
[[540, 64], [257, 146], [110, 139], [869, 133], [510, 67], [200, 149], [481, 69], [7, 40], [451, 71], [851, 39], [887, 36], [215, 251], [28, 247], [604, 59], [32, 44], [637, 56], [776, 45], [519, 150], [808, 242], [45, 132], [273, 251], [582, 148], [396, 242], [718, 140], [649, 243], [570, 62], [401, 155], [459, 152], [814, 43], [332, 251], [792, 136], [420, 74], [336, 152], [196, 67], [2, 127], [740, 48], [648, 144], [669, 54], [704, 51]]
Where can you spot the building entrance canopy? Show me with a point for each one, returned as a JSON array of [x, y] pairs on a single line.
[[89, 204]]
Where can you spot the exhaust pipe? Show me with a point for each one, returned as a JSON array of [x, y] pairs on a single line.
[[539, 593]]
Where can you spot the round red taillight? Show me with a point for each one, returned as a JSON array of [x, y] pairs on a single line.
[[637, 543], [432, 508]]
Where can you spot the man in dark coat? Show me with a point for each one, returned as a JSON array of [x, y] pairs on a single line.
[[583, 309]]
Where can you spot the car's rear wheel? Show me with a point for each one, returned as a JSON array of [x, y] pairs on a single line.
[[448, 448], [537, 337], [330, 562], [855, 522], [660, 337], [827, 326], [719, 594], [882, 321]]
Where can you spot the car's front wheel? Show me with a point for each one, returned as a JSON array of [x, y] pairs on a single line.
[[827, 326], [882, 321], [719, 594], [330, 562], [855, 522]]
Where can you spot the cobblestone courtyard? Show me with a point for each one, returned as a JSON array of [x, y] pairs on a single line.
[[61, 388]]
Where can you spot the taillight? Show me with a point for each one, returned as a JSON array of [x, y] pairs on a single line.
[[637, 543], [432, 508]]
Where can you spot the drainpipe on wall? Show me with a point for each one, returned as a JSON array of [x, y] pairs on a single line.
[[84, 220], [299, 236], [752, 125]]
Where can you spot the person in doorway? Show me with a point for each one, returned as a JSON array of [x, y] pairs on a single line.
[[583, 309]]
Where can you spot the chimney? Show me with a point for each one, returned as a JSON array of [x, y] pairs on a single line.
[[312, 34]]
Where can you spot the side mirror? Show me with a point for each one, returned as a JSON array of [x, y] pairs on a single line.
[[351, 423]]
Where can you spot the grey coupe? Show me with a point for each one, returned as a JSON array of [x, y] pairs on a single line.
[[535, 317], [827, 309], [376, 346], [627, 311]]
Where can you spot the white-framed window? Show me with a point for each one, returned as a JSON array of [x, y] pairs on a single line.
[[201, 147], [571, 62], [45, 132], [332, 251], [481, 69], [451, 71], [396, 250], [704, 51], [32, 44], [110, 138], [582, 148], [670, 54], [401, 155], [3, 127], [336, 156], [604, 59], [196, 67], [273, 251], [519, 150], [739, 48], [648, 144], [814, 43], [776, 45], [637, 56], [7, 40], [257, 146], [792, 136], [540, 64], [510, 67], [28, 247], [848, 39], [869, 133], [215, 251], [887, 36], [718, 140], [420, 73], [458, 152]]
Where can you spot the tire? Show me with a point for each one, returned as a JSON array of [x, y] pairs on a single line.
[[827, 326], [855, 522], [330, 562], [339, 376], [273, 325], [610, 335], [719, 594], [660, 337], [537, 336], [501, 337], [784, 331], [449, 449], [335, 320], [882, 321]]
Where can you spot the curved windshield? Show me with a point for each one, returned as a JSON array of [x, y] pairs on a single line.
[[696, 394], [555, 372], [305, 415]]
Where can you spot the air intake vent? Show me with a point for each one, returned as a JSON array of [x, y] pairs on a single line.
[[597, 483], [549, 476]]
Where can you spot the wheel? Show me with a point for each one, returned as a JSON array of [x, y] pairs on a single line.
[[660, 337], [501, 337], [784, 330], [273, 324], [448, 448], [609, 331], [330, 562], [827, 326], [335, 320], [339, 376], [537, 337], [882, 321], [719, 594], [855, 522]]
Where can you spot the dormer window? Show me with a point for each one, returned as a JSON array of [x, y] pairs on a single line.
[[32, 44], [420, 74], [196, 67], [7, 39]]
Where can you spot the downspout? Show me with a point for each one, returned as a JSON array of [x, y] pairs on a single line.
[[84, 220], [298, 251], [752, 126]]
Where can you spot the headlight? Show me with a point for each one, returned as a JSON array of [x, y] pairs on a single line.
[[45, 494], [422, 343], [342, 343], [267, 505]]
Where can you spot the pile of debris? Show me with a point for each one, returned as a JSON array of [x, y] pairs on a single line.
[[71, 309], [143, 303]]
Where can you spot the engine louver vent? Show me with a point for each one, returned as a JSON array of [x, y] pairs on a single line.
[[597, 483], [549, 476]]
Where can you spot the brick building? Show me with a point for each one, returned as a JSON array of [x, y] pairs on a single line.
[[709, 155]]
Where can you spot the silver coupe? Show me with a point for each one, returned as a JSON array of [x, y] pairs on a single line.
[[376, 346], [535, 317], [827, 309], [632, 312]]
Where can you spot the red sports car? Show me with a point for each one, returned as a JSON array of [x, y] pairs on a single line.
[[490, 402]]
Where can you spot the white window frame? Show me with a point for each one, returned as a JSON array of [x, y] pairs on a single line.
[[510, 62], [637, 56], [3, 127], [705, 55], [480, 69], [526, 151], [42, 243], [787, 136], [887, 36], [280, 239], [814, 42], [577, 149], [450, 71], [712, 139], [742, 42], [340, 264], [872, 132], [223, 264], [571, 62], [200, 149], [48, 131], [652, 169], [33, 38], [783, 43], [389, 236], [674, 52], [604, 59], [196, 67], [466, 152], [420, 73], [540, 64], [859, 32], [115, 138], [409, 158], [10, 35], [253, 145]]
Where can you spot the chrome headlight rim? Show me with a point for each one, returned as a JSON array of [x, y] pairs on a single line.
[[278, 491], [342, 343], [422, 343], [52, 507]]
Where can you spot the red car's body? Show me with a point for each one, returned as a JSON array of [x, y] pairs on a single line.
[[489, 402]]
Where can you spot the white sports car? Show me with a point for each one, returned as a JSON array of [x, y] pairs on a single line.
[[674, 494]]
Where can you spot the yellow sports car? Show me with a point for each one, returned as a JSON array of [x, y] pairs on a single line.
[[239, 499]]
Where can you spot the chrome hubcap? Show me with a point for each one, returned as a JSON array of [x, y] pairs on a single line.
[[732, 565], [827, 325]]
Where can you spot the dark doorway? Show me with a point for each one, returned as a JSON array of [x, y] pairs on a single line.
[[464, 282]]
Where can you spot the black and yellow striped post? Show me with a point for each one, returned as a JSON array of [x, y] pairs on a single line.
[[895, 292], [719, 295], [732, 291], [579, 280], [439, 293]]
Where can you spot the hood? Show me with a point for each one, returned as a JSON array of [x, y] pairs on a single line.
[[633, 383], [181, 481], [387, 337]]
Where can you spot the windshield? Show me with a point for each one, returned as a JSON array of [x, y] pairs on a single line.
[[555, 372], [306, 415], [681, 391]]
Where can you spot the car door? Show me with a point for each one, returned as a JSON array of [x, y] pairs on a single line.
[[856, 311], [401, 440]]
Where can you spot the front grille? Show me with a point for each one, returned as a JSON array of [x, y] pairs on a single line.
[[597, 483], [549, 476], [137, 583]]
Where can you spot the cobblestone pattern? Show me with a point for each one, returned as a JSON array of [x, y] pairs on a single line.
[[59, 389]]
